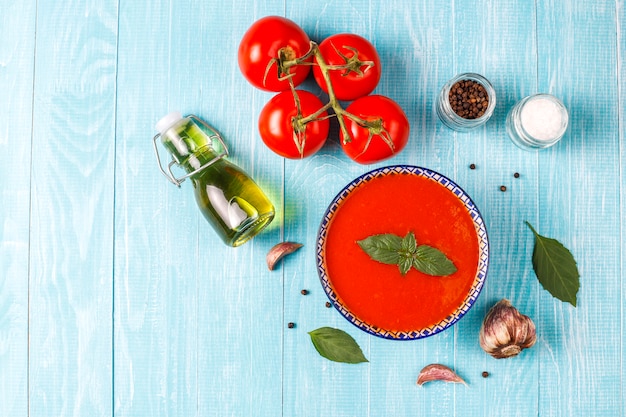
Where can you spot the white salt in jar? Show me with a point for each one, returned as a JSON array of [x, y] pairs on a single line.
[[537, 122]]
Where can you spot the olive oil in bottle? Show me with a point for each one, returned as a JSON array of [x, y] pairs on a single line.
[[228, 198]]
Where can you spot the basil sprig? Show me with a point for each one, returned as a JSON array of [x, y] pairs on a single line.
[[555, 268], [391, 249]]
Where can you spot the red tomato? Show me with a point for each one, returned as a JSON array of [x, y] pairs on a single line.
[[363, 72], [263, 44], [278, 125], [387, 135]]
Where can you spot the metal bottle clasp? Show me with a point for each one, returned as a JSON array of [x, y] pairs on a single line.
[[212, 136]]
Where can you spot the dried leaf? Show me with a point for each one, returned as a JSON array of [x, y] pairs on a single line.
[[336, 345], [555, 268]]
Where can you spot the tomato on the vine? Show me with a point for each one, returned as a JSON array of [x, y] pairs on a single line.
[[268, 43], [281, 128], [386, 133], [360, 61]]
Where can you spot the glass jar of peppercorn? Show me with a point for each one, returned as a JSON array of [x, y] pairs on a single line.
[[466, 102]]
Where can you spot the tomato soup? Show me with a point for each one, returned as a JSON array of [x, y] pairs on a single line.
[[375, 296]]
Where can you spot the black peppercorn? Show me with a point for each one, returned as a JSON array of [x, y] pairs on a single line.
[[503, 188], [472, 166], [468, 99], [328, 305], [485, 374], [516, 175], [304, 292], [291, 325]]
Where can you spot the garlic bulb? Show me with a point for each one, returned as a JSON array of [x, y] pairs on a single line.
[[505, 332]]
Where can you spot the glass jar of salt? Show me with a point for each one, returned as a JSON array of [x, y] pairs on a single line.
[[537, 122]]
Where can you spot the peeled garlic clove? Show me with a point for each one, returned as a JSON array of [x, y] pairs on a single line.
[[505, 332], [279, 251], [438, 372]]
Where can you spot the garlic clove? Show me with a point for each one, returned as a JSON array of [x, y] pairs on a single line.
[[279, 251], [505, 332], [438, 372]]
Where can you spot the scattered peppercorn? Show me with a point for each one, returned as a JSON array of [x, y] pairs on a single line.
[[485, 374], [503, 188], [328, 305], [516, 175], [291, 325], [468, 99], [304, 292], [472, 166]]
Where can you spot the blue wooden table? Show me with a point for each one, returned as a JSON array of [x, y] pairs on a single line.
[[116, 298]]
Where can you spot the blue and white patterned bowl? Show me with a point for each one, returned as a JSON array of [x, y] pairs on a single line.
[[481, 271]]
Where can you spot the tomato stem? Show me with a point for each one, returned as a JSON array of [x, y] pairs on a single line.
[[332, 98], [375, 127]]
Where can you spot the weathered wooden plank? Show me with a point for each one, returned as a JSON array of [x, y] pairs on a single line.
[[71, 243], [17, 25], [579, 205], [156, 261], [621, 120]]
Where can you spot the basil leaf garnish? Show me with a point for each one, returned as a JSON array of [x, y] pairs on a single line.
[[555, 268], [409, 244], [406, 253], [405, 264], [382, 248], [337, 345], [432, 261]]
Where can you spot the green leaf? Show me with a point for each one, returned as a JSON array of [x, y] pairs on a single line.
[[407, 251], [432, 261], [555, 268], [404, 264], [383, 248], [409, 244], [336, 345], [391, 249]]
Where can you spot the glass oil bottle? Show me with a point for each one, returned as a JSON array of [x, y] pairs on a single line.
[[229, 199]]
